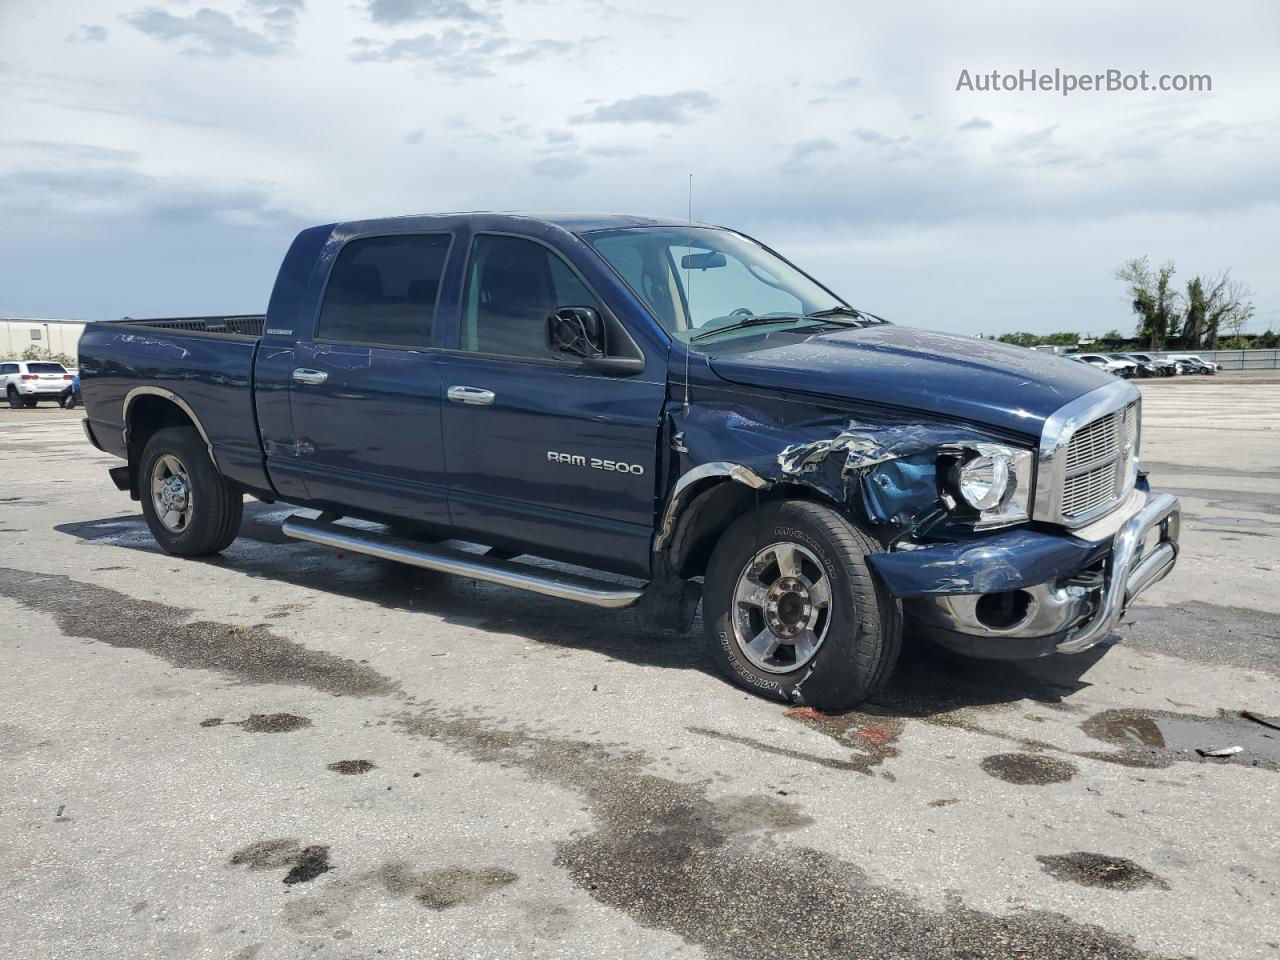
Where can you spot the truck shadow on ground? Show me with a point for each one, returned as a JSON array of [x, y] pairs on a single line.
[[928, 681]]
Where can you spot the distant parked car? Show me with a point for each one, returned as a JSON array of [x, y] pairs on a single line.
[[1131, 367], [1193, 364], [27, 382], [1120, 368], [1150, 366]]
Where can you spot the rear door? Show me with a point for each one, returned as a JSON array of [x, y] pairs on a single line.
[[364, 394], [543, 453]]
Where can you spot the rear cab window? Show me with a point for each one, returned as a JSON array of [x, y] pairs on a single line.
[[382, 291]]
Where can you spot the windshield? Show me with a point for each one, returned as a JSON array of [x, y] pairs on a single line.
[[696, 279]]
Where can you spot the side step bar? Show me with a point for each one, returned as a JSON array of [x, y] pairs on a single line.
[[551, 583]]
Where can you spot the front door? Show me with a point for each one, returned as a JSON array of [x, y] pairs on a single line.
[[364, 393], [543, 453]]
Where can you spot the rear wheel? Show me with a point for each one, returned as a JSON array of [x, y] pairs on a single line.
[[793, 611], [15, 400], [189, 506]]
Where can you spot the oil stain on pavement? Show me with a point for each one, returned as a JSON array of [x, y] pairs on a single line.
[[1157, 738], [442, 888], [273, 723], [248, 654], [305, 863], [437, 889], [1028, 768], [351, 767], [673, 858], [1099, 870], [873, 739]]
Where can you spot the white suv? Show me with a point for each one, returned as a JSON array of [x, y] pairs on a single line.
[[27, 382], [1121, 368]]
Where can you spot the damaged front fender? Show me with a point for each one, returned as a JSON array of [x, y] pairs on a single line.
[[885, 471]]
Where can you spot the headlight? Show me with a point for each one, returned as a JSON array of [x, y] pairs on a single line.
[[995, 481], [984, 480]]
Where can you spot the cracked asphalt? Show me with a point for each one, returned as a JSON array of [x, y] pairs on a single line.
[[283, 752]]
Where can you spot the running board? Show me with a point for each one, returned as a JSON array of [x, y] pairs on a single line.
[[550, 583]]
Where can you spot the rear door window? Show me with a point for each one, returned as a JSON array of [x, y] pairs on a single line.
[[382, 290]]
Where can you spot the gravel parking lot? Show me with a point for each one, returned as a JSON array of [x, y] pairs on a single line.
[[285, 752]]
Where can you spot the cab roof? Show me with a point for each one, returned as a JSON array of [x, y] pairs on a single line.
[[496, 219]]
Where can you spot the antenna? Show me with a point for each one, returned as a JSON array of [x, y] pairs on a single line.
[[688, 300]]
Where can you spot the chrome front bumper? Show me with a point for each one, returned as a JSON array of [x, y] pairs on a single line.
[[1074, 611], [1131, 568]]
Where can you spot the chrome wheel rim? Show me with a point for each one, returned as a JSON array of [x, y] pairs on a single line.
[[171, 493], [781, 608]]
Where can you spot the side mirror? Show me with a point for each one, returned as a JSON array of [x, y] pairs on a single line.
[[576, 332]]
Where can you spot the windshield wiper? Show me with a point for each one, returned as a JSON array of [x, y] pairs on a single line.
[[840, 311], [756, 321]]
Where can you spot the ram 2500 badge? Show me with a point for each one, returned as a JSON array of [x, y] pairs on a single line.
[[675, 405]]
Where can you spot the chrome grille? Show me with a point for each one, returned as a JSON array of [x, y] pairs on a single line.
[[1094, 443], [1097, 465]]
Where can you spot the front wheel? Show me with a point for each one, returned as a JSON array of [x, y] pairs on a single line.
[[793, 611], [189, 506]]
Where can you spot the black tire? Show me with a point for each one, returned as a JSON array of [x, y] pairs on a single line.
[[863, 637], [216, 507], [15, 401]]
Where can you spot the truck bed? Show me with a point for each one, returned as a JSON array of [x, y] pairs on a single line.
[[205, 364], [245, 325]]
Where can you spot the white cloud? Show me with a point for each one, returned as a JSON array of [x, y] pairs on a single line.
[[88, 33], [206, 32], [668, 108], [224, 124], [395, 12]]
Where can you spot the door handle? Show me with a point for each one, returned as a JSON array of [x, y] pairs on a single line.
[[303, 375], [472, 395]]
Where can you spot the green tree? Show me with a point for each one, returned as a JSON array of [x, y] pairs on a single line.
[[1019, 339], [1152, 299], [1193, 324], [1061, 339], [1227, 306]]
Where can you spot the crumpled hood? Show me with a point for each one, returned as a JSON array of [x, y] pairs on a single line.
[[965, 378]]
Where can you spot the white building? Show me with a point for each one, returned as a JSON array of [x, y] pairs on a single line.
[[49, 337]]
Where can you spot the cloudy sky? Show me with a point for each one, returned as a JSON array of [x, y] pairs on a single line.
[[157, 157]]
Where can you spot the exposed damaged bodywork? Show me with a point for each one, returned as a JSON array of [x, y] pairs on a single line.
[[886, 472], [891, 473]]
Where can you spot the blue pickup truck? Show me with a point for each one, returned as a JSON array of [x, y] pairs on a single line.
[[672, 406]]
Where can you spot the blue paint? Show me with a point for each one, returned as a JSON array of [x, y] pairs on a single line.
[[999, 561], [852, 416]]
